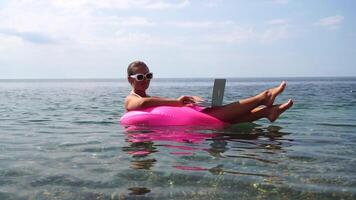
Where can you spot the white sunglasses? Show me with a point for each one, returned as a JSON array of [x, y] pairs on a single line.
[[140, 77]]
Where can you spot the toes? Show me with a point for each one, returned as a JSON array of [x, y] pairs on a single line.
[[286, 105], [274, 92], [284, 83], [282, 86], [279, 109]]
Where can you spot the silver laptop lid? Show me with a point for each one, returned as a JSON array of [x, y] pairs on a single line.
[[218, 92]]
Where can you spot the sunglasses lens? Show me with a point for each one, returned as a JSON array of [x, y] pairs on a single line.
[[140, 77], [149, 76]]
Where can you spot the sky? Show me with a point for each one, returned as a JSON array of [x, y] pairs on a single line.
[[177, 38]]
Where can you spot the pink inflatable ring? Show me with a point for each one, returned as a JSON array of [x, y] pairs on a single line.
[[171, 116]]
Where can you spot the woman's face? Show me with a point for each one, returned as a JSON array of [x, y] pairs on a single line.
[[139, 85]]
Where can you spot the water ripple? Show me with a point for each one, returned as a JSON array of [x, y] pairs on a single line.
[[62, 140]]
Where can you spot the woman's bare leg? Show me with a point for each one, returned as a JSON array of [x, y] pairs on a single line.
[[271, 113], [233, 111], [255, 114]]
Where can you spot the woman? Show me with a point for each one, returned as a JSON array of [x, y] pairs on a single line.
[[246, 110]]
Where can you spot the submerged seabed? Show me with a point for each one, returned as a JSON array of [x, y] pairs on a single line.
[[60, 139]]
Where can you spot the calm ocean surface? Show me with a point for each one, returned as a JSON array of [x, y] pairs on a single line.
[[60, 139]]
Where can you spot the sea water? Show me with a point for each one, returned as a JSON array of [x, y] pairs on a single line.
[[61, 139]]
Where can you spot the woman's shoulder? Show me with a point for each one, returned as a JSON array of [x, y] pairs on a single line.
[[131, 96], [129, 99]]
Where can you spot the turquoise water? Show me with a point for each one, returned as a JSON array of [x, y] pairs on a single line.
[[60, 139]]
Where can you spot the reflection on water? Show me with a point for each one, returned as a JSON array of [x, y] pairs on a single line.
[[143, 164], [138, 191], [239, 150]]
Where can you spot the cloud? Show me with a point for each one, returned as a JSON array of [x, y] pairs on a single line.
[[200, 24], [278, 22], [134, 22], [232, 33], [73, 22], [8, 43], [331, 22], [83, 22], [214, 31], [140, 38], [278, 29], [88, 4], [274, 34], [32, 37], [212, 3], [119, 4], [280, 1], [165, 5], [236, 35]]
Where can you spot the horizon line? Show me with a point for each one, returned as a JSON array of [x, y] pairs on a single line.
[[241, 77]]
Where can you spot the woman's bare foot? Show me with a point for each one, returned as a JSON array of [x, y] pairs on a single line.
[[277, 110], [272, 93]]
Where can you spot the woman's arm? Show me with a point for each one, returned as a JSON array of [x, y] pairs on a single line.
[[134, 103]]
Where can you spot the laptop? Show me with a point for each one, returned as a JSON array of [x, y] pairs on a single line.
[[218, 94]]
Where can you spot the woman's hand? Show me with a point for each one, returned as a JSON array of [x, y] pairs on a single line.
[[185, 100]]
